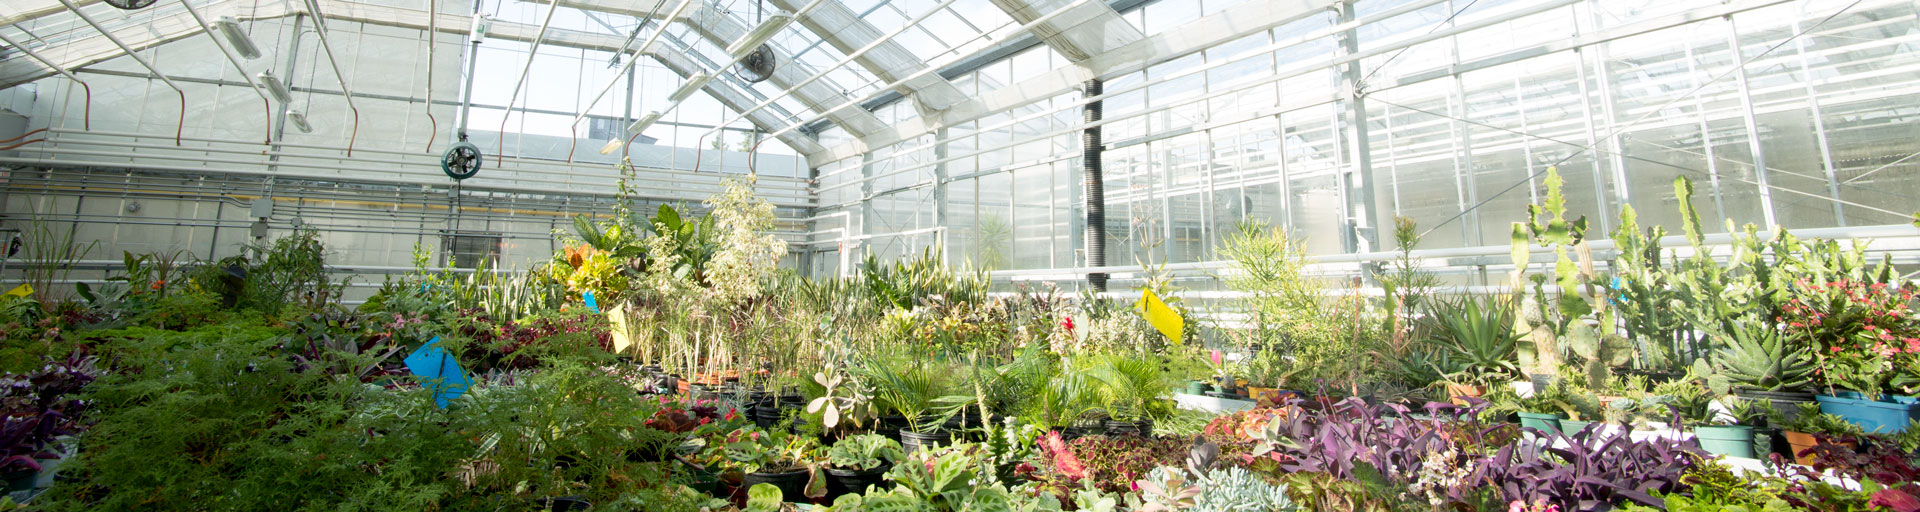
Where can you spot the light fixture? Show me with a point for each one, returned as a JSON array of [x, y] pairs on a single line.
[[636, 127], [241, 43], [693, 84], [276, 87], [299, 120], [760, 34]]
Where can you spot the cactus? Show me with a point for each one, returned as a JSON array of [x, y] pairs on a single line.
[[1598, 352]]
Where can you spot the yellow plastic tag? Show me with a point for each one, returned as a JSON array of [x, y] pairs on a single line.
[[622, 338], [21, 291], [1160, 316]]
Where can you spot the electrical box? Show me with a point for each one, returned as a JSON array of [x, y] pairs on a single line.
[[262, 208]]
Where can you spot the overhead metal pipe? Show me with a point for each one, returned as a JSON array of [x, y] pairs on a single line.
[[86, 116], [532, 53], [699, 80], [642, 50], [320, 29], [433, 32], [179, 127], [822, 114], [236, 66], [842, 62]]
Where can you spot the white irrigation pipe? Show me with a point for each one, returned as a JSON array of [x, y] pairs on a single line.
[[86, 119], [532, 53], [888, 37], [924, 72], [723, 67], [320, 28], [655, 36], [231, 59], [182, 125]]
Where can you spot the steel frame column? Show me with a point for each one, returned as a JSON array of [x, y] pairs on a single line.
[[1819, 125], [1765, 186], [1095, 241], [1356, 182]]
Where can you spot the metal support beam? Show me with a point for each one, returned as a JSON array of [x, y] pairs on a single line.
[[1356, 181]]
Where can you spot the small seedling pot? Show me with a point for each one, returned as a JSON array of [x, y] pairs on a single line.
[[1728, 440]]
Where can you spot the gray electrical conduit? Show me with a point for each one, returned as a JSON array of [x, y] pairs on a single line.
[[180, 127]]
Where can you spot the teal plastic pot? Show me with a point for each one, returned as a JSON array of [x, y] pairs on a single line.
[[1571, 427], [20, 479], [1195, 387], [1872, 415], [1728, 440], [1545, 422]]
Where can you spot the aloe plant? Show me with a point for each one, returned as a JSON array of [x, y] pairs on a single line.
[[1759, 356], [1480, 336]]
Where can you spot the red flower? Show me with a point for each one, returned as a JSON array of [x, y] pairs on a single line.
[[1067, 322], [159, 283]]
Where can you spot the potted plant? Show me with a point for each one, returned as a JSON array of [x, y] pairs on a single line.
[[753, 456], [1860, 331], [1810, 427], [858, 462], [912, 391], [1482, 345], [1129, 388], [1545, 409], [1764, 364], [1732, 433]]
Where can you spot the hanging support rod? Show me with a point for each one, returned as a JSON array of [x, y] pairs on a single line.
[[320, 28], [208, 29], [182, 124], [86, 118]]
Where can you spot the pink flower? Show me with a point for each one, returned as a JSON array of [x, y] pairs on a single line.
[[1516, 506], [1216, 358]]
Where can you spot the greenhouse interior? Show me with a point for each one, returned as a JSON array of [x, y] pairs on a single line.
[[960, 255]]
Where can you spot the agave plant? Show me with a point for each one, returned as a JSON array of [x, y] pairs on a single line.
[[1480, 335], [1759, 356]]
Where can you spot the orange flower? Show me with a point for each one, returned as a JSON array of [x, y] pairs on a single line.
[[578, 254]]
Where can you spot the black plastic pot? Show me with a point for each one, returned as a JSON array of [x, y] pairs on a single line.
[[792, 483], [1142, 428], [890, 426], [966, 423], [848, 481], [914, 441], [1787, 402], [1076, 432]]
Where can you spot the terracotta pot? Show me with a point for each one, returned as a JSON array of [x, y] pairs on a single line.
[[1456, 393], [1801, 441]]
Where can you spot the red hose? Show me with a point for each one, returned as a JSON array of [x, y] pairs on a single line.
[[182, 127], [22, 144], [86, 116], [573, 139], [629, 144], [263, 101], [435, 133], [356, 131], [23, 135]]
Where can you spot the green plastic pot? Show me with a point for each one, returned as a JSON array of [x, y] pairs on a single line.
[[1728, 440], [1545, 422], [20, 480], [1195, 387], [1571, 427]]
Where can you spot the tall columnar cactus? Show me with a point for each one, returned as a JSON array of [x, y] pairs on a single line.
[[1641, 285], [1580, 297]]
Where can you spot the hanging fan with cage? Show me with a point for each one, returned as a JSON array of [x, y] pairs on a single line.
[[757, 66], [131, 4]]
